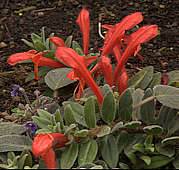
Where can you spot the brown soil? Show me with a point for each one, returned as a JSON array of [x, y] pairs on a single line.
[[60, 17]]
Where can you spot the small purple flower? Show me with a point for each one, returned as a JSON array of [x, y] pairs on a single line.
[[16, 90], [32, 126]]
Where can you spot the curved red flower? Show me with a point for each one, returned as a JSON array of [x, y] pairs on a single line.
[[71, 58], [144, 34], [122, 81], [84, 23], [57, 41], [116, 32], [43, 146], [36, 58]]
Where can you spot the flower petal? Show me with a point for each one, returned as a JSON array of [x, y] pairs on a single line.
[[122, 81], [57, 41], [69, 57], [106, 67], [41, 144], [49, 158], [84, 23], [19, 57], [127, 23], [50, 62], [142, 35]]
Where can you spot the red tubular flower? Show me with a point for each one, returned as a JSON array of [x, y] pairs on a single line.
[[117, 31], [36, 58], [144, 34], [106, 67], [122, 81], [69, 57], [42, 146], [57, 41], [84, 23]]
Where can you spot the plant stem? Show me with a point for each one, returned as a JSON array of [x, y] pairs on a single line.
[[143, 102], [99, 30]]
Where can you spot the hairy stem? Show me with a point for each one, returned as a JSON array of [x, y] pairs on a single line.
[[143, 102]]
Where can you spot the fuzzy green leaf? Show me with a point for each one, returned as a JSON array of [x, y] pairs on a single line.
[[109, 108], [8, 128], [56, 79], [87, 152], [109, 151], [105, 130], [69, 156], [167, 95], [147, 110], [142, 78], [89, 112], [14, 143], [158, 161], [126, 105], [153, 129]]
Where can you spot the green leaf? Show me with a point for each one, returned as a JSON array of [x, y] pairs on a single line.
[[56, 79], [105, 130], [46, 131], [14, 143], [142, 78], [28, 43], [109, 108], [147, 111], [35, 37], [40, 122], [139, 147], [59, 119], [44, 114], [123, 165], [171, 140], [165, 150], [69, 156], [132, 124], [77, 48], [157, 77], [43, 35], [106, 89], [146, 159], [70, 128], [122, 140], [132, 140], [39, 46], [168, 119], [137, 98], [158, 161], [117, 127], [167, 95], [68, 41], [22, 161], [132, 157], [87, 152], [28, 160], [109, 151], [173, 77], [49, 54], [69, 115], [89, 112], [8, 128], [81, 133], [126, 105], [78, 112], [176, 162], [153, 129]]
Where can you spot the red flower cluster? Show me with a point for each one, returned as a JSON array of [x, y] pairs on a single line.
[[43, 146], [115, 42]]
